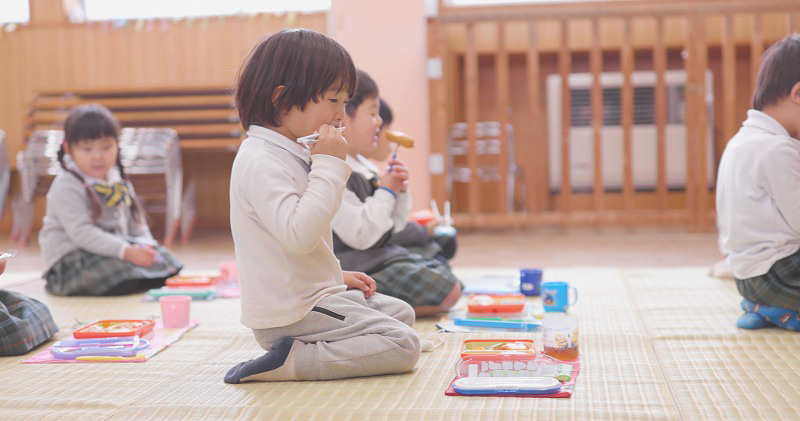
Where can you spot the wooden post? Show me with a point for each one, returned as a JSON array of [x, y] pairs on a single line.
[[596, 64], [756, 46], [627, 114], [729, 120], [437, 49], [564, 66], [503, 108], [471, 90], [697, 121], [536, 170], [660, 65]]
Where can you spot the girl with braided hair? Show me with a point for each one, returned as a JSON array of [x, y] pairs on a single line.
[[94, 237]]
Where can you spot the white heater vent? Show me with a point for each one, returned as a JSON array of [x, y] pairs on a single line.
[[644, 131]]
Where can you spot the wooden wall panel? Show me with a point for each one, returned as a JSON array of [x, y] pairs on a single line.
[[643, 36], [49, 54]]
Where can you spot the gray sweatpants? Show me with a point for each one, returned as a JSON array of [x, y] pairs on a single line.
[[346, 335]]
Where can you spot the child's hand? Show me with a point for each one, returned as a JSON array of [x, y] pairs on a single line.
[[140, 255], [431, 226], [3, 262], [395, 177], [360, 280], [330, 142]]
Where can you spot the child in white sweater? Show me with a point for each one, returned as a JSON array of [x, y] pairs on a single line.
[[316, 322], [758, 205], [374, 209]]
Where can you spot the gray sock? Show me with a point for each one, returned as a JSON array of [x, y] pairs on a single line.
[[273, 359]]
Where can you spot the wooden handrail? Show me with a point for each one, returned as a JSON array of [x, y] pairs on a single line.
[[605, 8], [602, 37]]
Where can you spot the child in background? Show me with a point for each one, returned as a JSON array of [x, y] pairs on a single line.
[[376, 208], [758, 206], [94, 237], [317, 322], [415, 237]]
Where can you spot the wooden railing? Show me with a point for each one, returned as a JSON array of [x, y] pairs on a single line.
[[204, 117], [494, 63]]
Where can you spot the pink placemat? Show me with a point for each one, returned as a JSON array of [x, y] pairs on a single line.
[[160, 338], [566, 387]]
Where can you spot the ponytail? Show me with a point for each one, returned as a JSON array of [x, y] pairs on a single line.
[[93, 199], [137, 210]]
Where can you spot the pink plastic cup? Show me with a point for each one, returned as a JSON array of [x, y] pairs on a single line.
[[229, 271], [175, 310]]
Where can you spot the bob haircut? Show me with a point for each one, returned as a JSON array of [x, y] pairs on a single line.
[[365, 88], [780, 71], [305, 62], [90, 122], [386, 113]]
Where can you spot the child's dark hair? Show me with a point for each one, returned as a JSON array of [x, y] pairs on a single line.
[[365, 88], [780, 71], [386, 113], [92, 122], [307, 63]]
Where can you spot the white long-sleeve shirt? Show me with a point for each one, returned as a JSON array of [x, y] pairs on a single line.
[[361, 224], [758, 196], [281, 224]]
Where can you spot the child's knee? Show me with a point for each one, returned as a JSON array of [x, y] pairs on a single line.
[[408, 350], [405, 313], [452, 298]]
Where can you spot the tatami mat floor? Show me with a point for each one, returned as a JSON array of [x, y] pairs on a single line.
[[658, 342]]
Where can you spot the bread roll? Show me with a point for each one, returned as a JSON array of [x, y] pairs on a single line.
[[400, 138]]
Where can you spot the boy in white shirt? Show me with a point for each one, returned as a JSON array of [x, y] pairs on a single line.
[[374, 209], [758, 195], [316, 322], [415, 237]]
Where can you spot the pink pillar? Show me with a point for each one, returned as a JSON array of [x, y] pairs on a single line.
[[388, 40]]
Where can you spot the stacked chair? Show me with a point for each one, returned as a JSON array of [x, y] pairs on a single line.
[[488, 149]]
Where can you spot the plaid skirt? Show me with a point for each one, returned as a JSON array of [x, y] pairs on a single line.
[[84, 273], [415, 279], [779, 287], [24, 323]]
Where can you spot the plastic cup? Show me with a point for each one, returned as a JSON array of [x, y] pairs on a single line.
[[229, 271], [530, 282], [175, 310]]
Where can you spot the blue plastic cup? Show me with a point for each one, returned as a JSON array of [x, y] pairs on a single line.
[[556, 296], [530, 282]]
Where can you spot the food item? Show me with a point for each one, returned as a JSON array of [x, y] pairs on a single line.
[[400, 138], [114, 327], [511, 346]]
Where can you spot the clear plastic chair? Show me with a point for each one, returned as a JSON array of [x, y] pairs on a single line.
[[36, 165], [487, 135], [155, 151], [150, 156], [5, 172]]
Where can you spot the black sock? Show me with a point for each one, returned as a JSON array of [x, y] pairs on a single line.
[[273, 359]]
